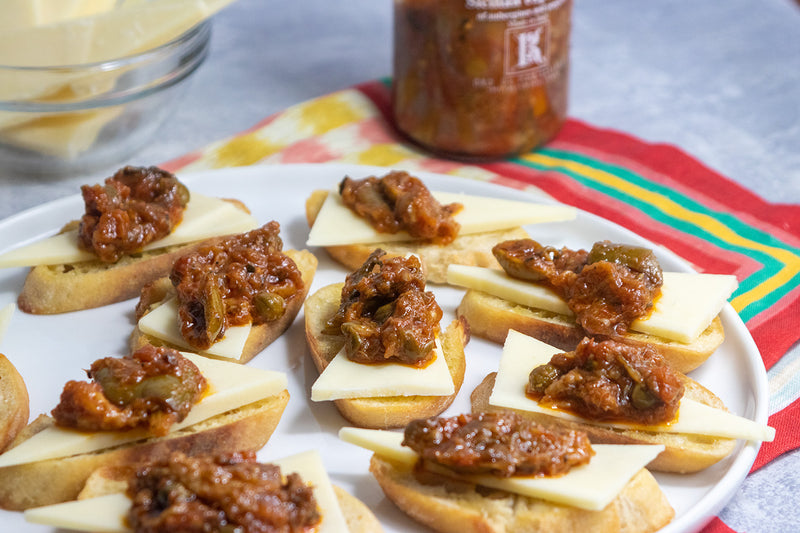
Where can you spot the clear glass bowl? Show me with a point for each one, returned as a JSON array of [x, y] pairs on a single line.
[[75, 118]]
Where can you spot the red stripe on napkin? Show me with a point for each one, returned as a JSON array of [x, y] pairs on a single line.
[[682, 167], [786, 435], [717, 526]]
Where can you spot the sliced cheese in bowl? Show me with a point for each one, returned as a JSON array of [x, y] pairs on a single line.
[[521, 354], [591, 486], [231, 386], [343, 378], [337, 225], [107, 513], [19, 14], [687, 304], [112, 34], [204, 217]]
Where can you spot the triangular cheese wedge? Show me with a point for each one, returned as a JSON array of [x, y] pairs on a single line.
[[338, 225], [521, 354], [107, 513], [204, 217], [5, 318], [343, 378], [591, 486], [231, 385], [162, 323], [687, 304]]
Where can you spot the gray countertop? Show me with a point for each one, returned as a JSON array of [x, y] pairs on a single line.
[[721, 80]]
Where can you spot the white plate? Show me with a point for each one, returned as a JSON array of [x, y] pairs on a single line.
[[49, 350]]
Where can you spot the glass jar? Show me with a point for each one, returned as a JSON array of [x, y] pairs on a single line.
[[480, 78]]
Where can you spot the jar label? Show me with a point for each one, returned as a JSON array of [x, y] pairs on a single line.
[[526, 47]]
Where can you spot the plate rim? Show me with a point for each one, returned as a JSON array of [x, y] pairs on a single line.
[[694, 518]]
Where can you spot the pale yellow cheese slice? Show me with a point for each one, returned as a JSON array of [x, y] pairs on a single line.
[[203, 218], [5, 318], [343, 378], [591, 486], [162, 323], [65, 136], [109, 35], [101, 514], [107, 513], [18, 14], [231, 386], [687, 304], [133, 27], [338, 225], [310, 467], [521, 354]]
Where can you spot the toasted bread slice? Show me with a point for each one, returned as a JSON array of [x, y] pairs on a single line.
[[463, 508], [491, 318], [358, 516], [391, 411], [14, 403], [109, 480], [473, 250], [52, 289], [61, 479], [683, 453], [260, 337]]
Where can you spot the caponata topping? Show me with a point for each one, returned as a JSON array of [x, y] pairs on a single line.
[[237, 280], [385, 314], [133, 208], [607, 288], [230, 493], [399, 201], [501, 444], [152, 388], [609, 381]]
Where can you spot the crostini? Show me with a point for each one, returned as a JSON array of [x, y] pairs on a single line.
[[593, 291], [415, 373], [133, 228], [14, 402], [238, 409], [699, 433], [420, 220], [291, 492], [230, 299], [447, 482]]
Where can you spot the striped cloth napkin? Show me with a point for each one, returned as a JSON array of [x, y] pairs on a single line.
[[655, 190]]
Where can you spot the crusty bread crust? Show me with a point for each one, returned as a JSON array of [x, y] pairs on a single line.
[[53, 289], [14, 402], [58, 480], [260, 336], [358, 516], [683, 454], [640, 507], [472, 250], [491, 318], [392, 411], [108, 480]]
